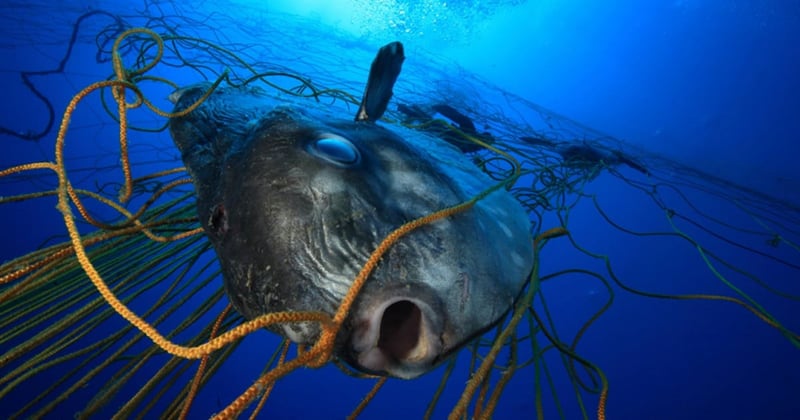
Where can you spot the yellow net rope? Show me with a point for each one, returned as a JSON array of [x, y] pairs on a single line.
[[317, 355]]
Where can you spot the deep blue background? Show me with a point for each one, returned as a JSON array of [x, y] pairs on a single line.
[[713, 83]]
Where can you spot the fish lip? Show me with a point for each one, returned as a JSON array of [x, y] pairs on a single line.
[[414, 343]]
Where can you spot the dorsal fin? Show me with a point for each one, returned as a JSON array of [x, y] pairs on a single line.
[[382, 75]]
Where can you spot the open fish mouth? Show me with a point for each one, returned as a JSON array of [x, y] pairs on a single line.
[[401, 336]]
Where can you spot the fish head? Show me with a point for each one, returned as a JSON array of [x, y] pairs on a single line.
[[296, 204]]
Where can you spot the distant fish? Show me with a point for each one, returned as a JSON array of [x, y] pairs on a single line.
[[295, 203], [416, 114], [626, 160], [581, 154], [463, 122], [382, 75], [538, 141], [413, 113], [584, 155]]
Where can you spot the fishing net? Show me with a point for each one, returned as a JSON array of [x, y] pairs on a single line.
[[125, 314]]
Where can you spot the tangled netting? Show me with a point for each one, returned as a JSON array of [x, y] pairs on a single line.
[[133, 236]]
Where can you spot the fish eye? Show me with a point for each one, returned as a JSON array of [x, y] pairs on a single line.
[[335, 149]]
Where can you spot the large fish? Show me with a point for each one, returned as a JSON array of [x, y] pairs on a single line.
[[295, 203]]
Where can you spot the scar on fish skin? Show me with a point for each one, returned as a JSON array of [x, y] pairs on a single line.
[[463, 284]]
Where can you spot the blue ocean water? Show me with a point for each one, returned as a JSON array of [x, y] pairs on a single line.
[[712, 85]]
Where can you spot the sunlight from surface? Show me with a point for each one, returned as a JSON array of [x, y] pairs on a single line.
[[433, 20]]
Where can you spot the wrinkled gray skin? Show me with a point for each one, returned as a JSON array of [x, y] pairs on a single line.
[[292, 226]]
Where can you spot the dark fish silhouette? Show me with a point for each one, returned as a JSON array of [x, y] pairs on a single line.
[[538, 141], [295, 204], [463, 122], [415, 114]]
